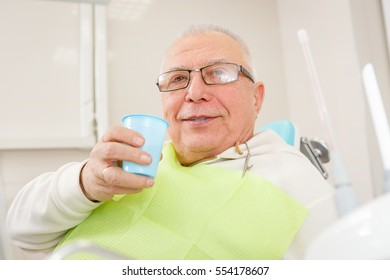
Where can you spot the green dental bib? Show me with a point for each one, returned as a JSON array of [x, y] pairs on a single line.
[[199, 212]]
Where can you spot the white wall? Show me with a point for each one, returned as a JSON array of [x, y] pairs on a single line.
[[140, 31], [344, 35], [136, 44]]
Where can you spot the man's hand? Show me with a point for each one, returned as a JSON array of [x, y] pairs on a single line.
[[101, 178]]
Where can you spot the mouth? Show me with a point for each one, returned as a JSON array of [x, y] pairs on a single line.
[[198, 120]]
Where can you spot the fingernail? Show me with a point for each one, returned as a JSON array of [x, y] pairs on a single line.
[[146, 159], [138, 140], [149, 182]]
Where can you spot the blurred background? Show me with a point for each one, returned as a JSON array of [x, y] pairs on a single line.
[[71, 69]]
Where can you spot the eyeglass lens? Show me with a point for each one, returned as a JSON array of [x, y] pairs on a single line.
[[220, 73]]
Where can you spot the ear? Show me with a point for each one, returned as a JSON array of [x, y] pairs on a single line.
[[258, 96]]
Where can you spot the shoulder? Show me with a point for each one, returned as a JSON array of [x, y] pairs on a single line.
[[286, 167]]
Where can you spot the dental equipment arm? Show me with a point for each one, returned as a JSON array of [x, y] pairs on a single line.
[[346, 197]]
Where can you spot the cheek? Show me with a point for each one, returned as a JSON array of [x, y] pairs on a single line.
[[238, 106], [241, 111], [170, 106]]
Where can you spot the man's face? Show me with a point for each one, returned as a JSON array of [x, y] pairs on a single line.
[[205, 119]]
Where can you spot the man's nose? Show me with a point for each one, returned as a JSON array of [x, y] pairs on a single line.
[[197, 89]]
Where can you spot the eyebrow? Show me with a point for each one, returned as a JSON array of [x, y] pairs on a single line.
[[209, 62]]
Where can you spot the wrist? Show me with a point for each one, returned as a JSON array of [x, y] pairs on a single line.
[[83, 188]]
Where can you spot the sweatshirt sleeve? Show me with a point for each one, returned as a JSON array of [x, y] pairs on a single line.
[[47, 207]]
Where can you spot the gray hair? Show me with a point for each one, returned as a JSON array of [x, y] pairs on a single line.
[[206, 28]]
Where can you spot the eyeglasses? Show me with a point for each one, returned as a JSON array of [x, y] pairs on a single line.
[[215, 74]]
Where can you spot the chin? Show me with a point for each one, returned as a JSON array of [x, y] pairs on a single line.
[[202, 144]]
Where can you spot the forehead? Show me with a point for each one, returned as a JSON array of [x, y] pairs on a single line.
[[198, 50]]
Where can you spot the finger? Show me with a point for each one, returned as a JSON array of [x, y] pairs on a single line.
[[115, 176], [123, 135], [110, 191], [112, 151], [101, 186]]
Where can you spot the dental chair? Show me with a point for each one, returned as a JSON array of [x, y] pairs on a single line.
[[314, 149], [286, 130]]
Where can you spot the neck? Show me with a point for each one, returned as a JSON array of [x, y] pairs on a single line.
[[188, 158]]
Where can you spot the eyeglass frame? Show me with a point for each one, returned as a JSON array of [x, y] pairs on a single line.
[[240, 68]]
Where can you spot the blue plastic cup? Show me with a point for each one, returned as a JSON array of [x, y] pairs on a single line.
[[153, 129]]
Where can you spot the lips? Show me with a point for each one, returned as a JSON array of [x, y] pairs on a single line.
[[197, 120]]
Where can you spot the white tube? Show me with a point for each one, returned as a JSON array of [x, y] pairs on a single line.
[[304, 40], [381, 124], [346, 197]]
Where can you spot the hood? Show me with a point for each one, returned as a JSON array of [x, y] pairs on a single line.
[[265, 142]]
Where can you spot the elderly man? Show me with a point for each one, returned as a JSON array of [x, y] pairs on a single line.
[[223, 191]]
